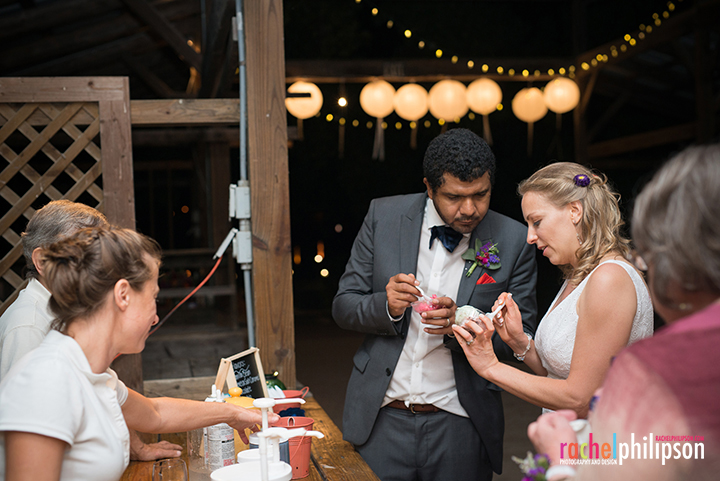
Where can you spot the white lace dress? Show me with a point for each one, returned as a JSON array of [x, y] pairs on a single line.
[[555, 336]]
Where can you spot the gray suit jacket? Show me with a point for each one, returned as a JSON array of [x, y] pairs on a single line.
[[388, 244]]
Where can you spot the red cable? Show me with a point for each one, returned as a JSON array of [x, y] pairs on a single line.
[[157, 326]]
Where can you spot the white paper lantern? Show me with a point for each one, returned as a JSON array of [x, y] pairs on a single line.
[[304, 107], [561, 95], [447, 100], [483, 96], [528, 105], [411, 102], [376, 98]]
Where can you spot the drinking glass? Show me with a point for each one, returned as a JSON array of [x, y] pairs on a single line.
[[170, 470]]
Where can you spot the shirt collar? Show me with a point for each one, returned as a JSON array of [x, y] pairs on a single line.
[[37, 288], [432, 218]]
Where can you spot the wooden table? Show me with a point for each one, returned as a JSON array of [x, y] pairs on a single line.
[[332, 459]]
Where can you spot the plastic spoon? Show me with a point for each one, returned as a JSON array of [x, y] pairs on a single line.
[[422, 293], [494, 313]]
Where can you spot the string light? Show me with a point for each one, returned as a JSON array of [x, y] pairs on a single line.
[[614, 51], [645, 29]]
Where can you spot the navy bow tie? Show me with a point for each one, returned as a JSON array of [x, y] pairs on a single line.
[[449, 237]]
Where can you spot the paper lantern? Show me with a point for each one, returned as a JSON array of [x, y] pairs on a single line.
[[411, 102], [304, 107], [376, 98], [528, 105], [447, 100], [483, 96], [561, 95]]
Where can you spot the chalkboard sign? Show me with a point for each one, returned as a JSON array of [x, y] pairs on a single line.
[[243, 370]]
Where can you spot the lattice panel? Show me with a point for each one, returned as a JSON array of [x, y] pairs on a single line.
[[48, 151]]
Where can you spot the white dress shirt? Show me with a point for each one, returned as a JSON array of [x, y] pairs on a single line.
[[424, 373]]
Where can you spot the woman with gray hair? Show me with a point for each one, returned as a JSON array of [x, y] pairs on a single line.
[[662, 393]]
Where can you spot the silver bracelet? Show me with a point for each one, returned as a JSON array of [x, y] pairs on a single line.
[[562, 470], [521, 357]]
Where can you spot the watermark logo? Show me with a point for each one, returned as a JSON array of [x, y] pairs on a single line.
[[661, 448]]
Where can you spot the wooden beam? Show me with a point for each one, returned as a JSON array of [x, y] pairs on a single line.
[[56, 89], [155, 83], [418, 70], [607, 115], [80, 61], [177, 136], [670, 29], [50, 14], [166, 30], [217, 47], [269, 187], [642, 141], [186, 111]]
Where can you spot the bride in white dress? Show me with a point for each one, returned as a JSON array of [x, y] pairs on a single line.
[[603, 306]]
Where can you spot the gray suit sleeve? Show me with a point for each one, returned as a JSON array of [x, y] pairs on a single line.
[[356, 306]]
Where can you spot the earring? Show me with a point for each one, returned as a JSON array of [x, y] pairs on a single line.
[[578, 238]]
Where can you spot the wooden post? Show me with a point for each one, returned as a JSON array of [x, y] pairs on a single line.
[[269, 186], [119, 198]]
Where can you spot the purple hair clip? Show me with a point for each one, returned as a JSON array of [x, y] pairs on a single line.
[[581, 180]]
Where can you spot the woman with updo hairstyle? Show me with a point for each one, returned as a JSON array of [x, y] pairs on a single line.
[[604, 305], [65, 414]]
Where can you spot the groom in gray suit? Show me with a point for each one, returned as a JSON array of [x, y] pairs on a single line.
[[415, 409]]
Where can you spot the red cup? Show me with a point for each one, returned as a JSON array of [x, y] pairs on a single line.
[[299, 446], [292, 393]]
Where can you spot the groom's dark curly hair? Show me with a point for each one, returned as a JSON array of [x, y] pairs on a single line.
[[460, 153]]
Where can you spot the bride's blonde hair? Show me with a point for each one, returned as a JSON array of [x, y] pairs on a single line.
[[601, 220]]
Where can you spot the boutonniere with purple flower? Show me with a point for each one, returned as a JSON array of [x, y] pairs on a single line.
[[533, 467], [487, 256]]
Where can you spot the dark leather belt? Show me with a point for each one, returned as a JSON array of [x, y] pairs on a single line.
[[414, 408]]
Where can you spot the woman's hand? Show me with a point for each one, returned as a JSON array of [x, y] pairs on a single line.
[[476, 341], [443, 316], [508, 323], [248, 419], [550, 430]]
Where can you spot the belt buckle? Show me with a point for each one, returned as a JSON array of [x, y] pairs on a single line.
[[412, 409]]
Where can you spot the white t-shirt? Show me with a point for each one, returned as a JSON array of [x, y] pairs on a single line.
[[24, 324], [53, 392]]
